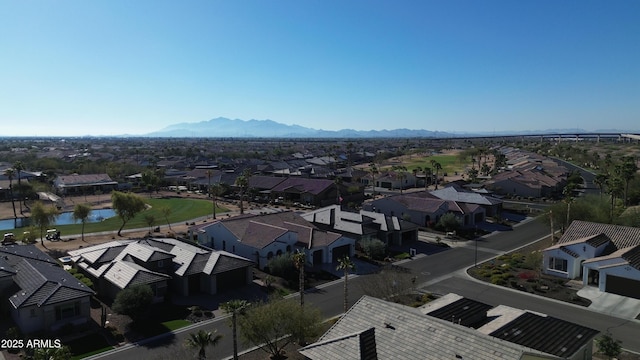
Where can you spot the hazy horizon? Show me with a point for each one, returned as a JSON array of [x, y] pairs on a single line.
[[104, 68]]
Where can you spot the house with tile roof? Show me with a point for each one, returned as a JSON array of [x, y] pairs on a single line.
[[166, 265], [378, 329], [41, 296], [84, 184], [263, 237], [363, 225], [602, 255], [547, 334], [425, 209], [318, 192], [492, 206]]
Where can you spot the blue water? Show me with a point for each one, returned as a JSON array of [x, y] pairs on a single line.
[[65, 218]]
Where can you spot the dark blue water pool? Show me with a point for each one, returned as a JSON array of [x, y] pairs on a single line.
[[65, 218]]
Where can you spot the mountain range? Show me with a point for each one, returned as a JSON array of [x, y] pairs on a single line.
[[227, 128]]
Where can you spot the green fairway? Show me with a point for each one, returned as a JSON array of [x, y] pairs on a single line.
[[182, 210], [450, 163]]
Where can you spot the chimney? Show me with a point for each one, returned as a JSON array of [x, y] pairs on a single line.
[[368, 345]]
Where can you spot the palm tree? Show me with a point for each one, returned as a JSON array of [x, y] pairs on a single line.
[[10, 173], [615, 188], [345, 264], [299, 260], [436, 165], [338, 182], [18, 166], [416, 170], [600, 180], [400, 173], [235, 307], [626, 171], [373, 169], [216, 190], [427, 175], [243, 183], [81, 212], [201, 340]]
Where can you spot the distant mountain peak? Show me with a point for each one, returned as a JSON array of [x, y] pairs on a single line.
[[224, 127]]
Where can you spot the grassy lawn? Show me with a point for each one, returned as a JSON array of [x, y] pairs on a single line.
[[86, 346], [176, 324], [450, 163], [181, 210]]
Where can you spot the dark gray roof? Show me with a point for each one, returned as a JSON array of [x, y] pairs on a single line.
[[228, 263], [41, 284], [13, 254], [546, 334], [5, 268], [466, 312]]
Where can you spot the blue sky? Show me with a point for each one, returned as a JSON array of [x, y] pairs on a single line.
[[131, 67]]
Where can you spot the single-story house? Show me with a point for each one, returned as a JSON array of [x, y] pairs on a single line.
[[379, 329], [363, 224], [492, 206], [603, 255], [84, 184], [164, 264], [318, 192], [262, 237], [547, 334], [42, 296], [425, 209]]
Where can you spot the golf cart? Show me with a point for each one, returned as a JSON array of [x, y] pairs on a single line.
[[53, 234]]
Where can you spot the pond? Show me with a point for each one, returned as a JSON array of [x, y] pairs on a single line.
[[65, 218]]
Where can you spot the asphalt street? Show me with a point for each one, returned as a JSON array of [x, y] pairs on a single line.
[[440, 273]]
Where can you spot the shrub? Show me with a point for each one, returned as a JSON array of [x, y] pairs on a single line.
[[498, 280], [282, 265], [374, 248]]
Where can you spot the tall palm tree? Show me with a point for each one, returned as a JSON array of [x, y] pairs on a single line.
[[626, 171], [243, 183], [338, 182], [18, 166], [373, 169], [81, 212], [427, 175], [10, 173], [417, 170], [201, 340], [299, 260], [600, 180], [345, 264], [436, 165], [235, 307], [216, 190], [615, 188]]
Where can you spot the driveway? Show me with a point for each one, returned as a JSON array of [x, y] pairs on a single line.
[[611, 304]]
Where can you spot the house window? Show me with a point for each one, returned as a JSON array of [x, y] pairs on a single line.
[[288, 248], [279, 252], [558, 264], [160, 263], [67, 311], [233, 249], [224, 245], [269, 255]]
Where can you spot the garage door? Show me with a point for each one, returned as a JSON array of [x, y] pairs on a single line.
[[340, 252], [623, 286], [231, 279]]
